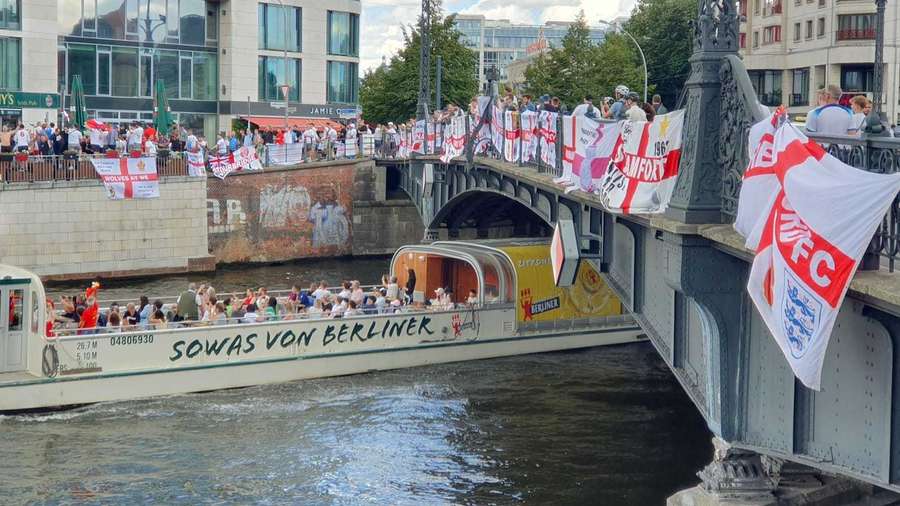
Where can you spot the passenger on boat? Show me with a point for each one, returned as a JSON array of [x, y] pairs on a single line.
[[381, 300], [248, 299], [144, 309], [472, 299], [316, 311], [250, 315], [51, 319], [157, 319], [262, 297], [352, 309], [345, 293], [294, 296], [410, 284], [272, 309], [307, 298], [131, 316], [322, 292], [219, 316], [187, 306], [393, 290], [356, 295], [114, 324], [91, 313], [368, 306], [338, 309]]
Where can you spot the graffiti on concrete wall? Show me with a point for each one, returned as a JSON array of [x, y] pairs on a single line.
[[280, 215]]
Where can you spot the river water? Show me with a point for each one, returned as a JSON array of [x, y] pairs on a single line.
[[605, 426]]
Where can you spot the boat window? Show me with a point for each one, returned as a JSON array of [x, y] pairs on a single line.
[[15, 310], [491, 284], [35, 308]]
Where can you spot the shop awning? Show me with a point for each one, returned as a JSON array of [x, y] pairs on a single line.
[[293, 122]]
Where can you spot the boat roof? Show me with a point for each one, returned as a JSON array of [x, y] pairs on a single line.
[[10, 274]]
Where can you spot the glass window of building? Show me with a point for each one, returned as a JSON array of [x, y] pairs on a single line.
[[10, 14], [160, 21], [167, 66], [343, 82], [124, 71], [800, 87], [767, 84], [271, 77], [104, 68], [343, 33], [83, 62], [272, 26], [10, 63], [205, 75]]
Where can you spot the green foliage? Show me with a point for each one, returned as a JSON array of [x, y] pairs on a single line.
[[663, 29], [579, 67], [390, 92]]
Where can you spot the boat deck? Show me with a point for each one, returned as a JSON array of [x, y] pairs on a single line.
[[12, 377]]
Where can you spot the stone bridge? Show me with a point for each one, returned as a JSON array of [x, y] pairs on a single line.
[[683, 275]]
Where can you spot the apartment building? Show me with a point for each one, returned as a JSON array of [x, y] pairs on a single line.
[[219, 59], [793, 47]]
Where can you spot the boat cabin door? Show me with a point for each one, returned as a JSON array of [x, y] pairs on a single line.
[[13, 325]]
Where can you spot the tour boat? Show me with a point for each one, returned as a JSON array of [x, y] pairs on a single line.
[[517, 309]]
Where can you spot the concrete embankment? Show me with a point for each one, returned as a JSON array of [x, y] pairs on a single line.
[[71, 230]]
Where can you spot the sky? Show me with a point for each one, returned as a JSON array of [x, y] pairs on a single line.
[[382, 20]]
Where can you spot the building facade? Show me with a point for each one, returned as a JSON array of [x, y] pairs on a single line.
[[219, 60], [499, 42], [792, 48]]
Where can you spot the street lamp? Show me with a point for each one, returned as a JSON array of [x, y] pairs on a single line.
[[617, 26], [874, 122]]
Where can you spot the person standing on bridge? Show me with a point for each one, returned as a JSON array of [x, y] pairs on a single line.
[[830, 118]]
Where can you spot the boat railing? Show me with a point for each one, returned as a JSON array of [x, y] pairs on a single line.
[[169, 300], [70, 330]]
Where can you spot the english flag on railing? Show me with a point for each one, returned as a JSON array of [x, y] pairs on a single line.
[[587, 149], [128, 178], [641, 175], [811, 217], [548, 137], [454, 139], [529, 122]]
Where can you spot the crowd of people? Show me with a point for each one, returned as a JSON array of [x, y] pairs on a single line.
[[838, 114], [97, 138], [201, 305]]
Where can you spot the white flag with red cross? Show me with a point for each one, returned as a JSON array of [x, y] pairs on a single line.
[[547, 126], [511, 136], [529, 132], [128, 178], [418, 140], [818, 223], [641, 176], [587, 149]]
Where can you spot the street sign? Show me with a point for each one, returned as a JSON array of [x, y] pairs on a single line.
[[348, 113], [278, 105]]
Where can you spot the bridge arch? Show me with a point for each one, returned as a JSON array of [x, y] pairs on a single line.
[[493, 212]]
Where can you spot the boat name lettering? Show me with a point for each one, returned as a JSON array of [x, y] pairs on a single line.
[[128, 340], [545, 305], [334, 333], [533, 262]]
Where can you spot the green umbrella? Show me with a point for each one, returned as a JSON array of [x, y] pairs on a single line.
[[162, 115], [79, 108]]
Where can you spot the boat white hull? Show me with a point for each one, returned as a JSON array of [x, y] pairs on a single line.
[[454, 337]]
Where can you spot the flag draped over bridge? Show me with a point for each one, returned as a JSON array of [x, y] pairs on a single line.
[[809, 217], [128, 178]]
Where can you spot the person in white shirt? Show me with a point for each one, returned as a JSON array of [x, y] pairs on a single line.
[[74, 139], [345, 293], [472, 299], [221, 146], [338, 309], [22, 138], [150, 147], [135, 137], [288, 136], [250, 316], [97, 140], [858, 106], [191, 142], [321, 293], [831, 118], [634, 112], [393, 289], [587, 108]]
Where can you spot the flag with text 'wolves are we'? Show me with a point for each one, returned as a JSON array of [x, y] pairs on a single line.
[[454, 139], [587, 149], [641, 176], [813, 234], [548, 129], [529, 132], [511, 136], [128, 178]]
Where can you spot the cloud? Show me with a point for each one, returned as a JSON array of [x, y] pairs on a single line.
[[383, 20]]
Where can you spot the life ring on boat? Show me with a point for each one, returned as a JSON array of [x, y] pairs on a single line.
[[50, 365]]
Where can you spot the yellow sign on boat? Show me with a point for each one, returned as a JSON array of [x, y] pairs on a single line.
[[539, 299]]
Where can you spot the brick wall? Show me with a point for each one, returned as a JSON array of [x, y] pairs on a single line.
[[69, 229]]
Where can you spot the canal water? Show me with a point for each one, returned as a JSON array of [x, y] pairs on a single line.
[[605, 426]]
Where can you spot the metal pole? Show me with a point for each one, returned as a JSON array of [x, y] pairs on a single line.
[[641, 51], [287, 102], [424, 62], [878, 76], [439, 70]]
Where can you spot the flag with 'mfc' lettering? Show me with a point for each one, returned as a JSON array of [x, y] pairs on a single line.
[[812, 231]]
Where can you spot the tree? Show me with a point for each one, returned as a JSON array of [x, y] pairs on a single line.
[[663, 28], [391, 91], [579, 67]]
